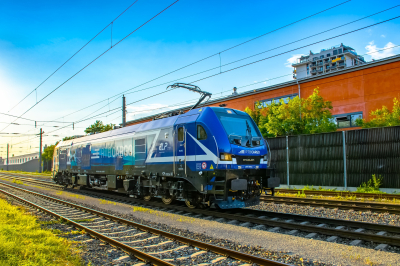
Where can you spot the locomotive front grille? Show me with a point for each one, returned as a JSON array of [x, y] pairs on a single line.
[[248, 159]]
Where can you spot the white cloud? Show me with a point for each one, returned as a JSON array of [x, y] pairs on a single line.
[[383, 36], [292, 60], [388, 50]]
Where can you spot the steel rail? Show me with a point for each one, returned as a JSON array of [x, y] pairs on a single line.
[[139, 254], [347, 205], [339, 193], [292, 226], [26, 178], [188, 241], [39, 182], [252, 218], [242, 217]]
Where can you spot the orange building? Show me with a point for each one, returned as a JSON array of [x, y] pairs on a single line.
[[354, 91]]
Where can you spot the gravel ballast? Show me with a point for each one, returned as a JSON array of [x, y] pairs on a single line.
[[350, 215], [290, 249]]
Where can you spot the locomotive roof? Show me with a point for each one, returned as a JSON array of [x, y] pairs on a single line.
[[155, 124]]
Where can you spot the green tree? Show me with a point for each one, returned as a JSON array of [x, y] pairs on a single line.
[[298, 116], [383, 117], [99, 127], [47, 154], [69, 138]]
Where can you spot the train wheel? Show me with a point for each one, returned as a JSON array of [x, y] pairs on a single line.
[[190, 204], [167, 199], [147, 198]]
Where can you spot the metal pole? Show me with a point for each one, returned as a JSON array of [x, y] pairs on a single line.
[[7, 156], [40, 152], [298, 85], [287, 160], [344, 159], [123, 111]]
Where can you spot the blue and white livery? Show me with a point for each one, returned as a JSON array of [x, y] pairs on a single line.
[[209, 156]]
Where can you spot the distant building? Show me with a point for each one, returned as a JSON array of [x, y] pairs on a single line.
[[328, 60], [20, 159], [354, 91]]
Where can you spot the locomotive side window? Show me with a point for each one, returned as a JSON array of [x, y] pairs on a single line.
[[180, 134], [201, 133]]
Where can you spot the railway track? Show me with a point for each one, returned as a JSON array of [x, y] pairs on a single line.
[[345, 205], [340, 193], [141, 241], [333, 230]]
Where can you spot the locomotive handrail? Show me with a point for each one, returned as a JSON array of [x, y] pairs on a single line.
[[216, 144], [185, 130], [173, 151]]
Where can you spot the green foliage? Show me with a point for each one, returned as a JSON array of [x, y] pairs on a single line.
[[299, 116], [24, 242], [383, 117], [260, 117], [47, 155], [99, 127], [69, 138], [320, 189], [372, 185]]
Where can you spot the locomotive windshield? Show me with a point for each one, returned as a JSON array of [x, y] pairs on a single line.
[[239, 126]]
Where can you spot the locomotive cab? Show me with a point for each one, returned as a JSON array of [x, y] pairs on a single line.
[[235, 170]]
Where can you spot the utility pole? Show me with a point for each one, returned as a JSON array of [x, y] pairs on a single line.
[[40, 151], [123, 111], [7, 156]]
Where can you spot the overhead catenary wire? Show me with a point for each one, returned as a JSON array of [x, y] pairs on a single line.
[[35, 89], [222, 92], [295, 49], [168, 82], [205, 58], [94, 60], [288, 51]]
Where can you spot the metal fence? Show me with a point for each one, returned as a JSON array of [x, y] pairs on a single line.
[[340, 159]]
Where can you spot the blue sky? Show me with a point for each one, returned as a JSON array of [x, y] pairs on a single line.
[[37, 37]]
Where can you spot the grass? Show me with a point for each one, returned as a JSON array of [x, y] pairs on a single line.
[[372, 186], [45, 174], [18, 182], [24, 242]]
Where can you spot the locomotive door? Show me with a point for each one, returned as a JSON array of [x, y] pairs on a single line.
[[180, 150]]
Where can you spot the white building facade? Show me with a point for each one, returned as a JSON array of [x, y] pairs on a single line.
[[329, 60], [21, 159]]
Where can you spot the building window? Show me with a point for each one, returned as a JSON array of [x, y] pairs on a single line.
[[328, 55], [201, 133], [334, 52], [265, 103], [322, 56], [340, 51], [315, 58], [347, 120]]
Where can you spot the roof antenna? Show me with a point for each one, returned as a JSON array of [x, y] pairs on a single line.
[[193, 88]]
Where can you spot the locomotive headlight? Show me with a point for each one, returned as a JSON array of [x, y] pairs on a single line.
[[225, 157]]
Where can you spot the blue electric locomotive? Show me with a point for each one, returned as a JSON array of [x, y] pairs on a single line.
[[209, 156]]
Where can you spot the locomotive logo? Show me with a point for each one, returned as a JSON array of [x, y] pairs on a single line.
[[204, 165]]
